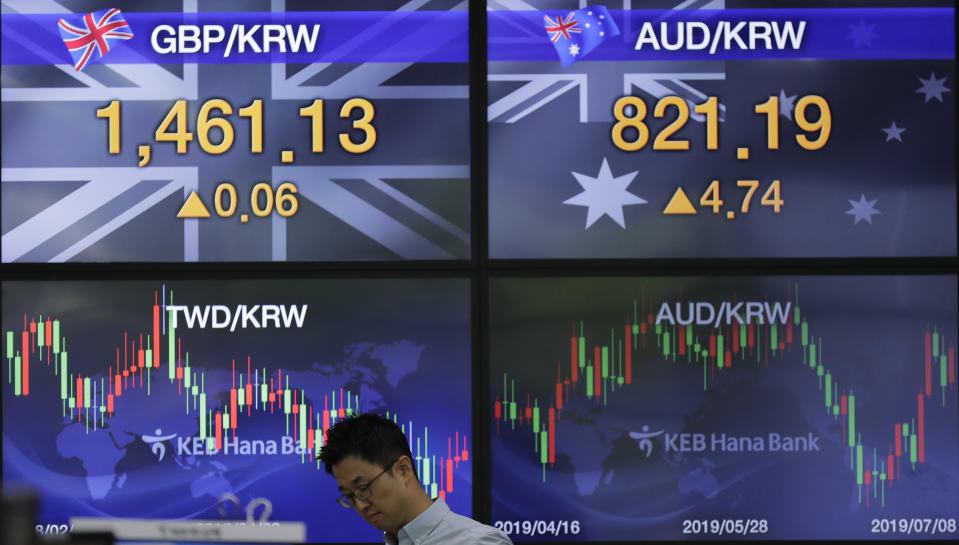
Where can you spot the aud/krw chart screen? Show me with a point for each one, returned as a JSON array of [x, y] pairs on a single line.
[[678, 408]]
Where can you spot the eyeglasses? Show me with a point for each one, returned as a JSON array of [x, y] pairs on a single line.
[[362, 492]]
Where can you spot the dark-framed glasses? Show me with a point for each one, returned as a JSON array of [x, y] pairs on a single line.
[[362, 492]]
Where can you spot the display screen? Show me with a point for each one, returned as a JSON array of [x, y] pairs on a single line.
[[692, 408], [249, 130], [685, 129], [186, 542], [161, 400]]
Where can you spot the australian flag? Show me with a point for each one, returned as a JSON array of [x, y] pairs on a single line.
[[89, 37], [579, 32]]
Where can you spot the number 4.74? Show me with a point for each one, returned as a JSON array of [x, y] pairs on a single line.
[[771, 197]]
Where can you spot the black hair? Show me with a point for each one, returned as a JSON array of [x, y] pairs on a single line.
[[369, 437]]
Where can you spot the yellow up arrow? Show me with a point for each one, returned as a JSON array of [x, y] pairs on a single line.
[[193, 208], [679, 204]]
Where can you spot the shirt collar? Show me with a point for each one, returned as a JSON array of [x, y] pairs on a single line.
[[417, 529]]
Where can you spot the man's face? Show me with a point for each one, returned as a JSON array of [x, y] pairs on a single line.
[[384, 509]]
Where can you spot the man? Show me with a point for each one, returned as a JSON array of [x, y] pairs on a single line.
[[370, 459]]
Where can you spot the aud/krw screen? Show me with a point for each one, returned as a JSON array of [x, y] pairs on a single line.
[[682, 408]]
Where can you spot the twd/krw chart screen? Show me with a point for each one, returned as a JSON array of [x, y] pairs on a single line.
[[154, 399], [821, 407]]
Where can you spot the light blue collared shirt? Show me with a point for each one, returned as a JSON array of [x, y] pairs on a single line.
[[439, 525]]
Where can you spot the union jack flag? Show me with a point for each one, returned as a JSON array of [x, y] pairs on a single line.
[[90, 39], [561, 27]]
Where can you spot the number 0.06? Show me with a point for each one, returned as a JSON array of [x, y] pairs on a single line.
[[261, 199]]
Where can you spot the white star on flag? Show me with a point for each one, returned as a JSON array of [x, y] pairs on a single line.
[[933, 88], [863, 209], [786, 104], [862, 34], [605, 195], [894, 132]]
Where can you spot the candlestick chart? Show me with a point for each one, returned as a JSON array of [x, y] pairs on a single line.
[[812, 406], [155, 399]]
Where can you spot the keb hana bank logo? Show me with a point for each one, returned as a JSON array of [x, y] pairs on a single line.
[[91, 36], [185, 446]]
